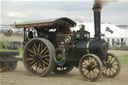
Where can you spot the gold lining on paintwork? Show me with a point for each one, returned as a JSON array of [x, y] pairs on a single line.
[[64, 34], [33, 25], [87, 49]]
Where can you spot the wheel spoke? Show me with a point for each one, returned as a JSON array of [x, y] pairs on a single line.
[[95, 72], [85, 66], [114, 68], [84, 63], [40, 65], [106, 71], [93, 60], [39, 48], [32, 62], [112, 71], [44, 67], [89, 60], [45, 62], [87, 73], [114, 61], [109, 71], [31, 51], [43, 50], [31, 55], [37, 66], [30, 59], [110, 59], [35, 46], [90, 74], [34, 50], [45, 56], [114, 64], [83, 69], [96, 65], [47, 59]]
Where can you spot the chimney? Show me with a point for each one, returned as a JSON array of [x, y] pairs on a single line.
[[97, 12]]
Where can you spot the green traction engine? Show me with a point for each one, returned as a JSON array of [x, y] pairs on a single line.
[[53, 46]]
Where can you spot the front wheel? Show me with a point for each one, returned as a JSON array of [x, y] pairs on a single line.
[[90, 67], [111, 66]]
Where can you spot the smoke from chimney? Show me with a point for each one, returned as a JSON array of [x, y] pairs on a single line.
[[101, 3]]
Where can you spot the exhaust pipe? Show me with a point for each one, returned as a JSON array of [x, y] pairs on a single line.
[[97, 12]]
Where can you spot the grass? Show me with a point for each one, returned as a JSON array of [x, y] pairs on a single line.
[[118, 48], [124, 60], [19, 36], [20, 53], [4, 42]]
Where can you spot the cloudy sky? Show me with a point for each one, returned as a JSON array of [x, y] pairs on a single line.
[[30, 10]]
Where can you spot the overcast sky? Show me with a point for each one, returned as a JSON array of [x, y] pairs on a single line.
[[20, 11]]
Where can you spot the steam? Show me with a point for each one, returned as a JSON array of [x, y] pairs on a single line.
[[101, 3]]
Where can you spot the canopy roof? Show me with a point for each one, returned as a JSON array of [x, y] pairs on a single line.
[[48, 22]]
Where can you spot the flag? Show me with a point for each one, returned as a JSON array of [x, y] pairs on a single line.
[[109, 30]]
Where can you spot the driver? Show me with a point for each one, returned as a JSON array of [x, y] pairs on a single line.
[[64, 30], [82, 28]]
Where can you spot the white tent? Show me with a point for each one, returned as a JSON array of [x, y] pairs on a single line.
[[113, 34]]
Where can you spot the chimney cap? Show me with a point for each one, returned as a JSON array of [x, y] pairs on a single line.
[[97, 5]]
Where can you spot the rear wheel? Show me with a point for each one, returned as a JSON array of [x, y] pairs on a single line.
[[38, 57], [112, 66], [90, 67]]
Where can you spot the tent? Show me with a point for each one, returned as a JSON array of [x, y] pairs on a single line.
[[113, 34]]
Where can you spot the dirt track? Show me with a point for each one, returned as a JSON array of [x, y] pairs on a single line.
[[21, 77]]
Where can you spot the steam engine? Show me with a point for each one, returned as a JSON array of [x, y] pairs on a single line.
[[80, 42]]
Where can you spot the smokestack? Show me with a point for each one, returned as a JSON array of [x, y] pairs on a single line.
[[98, 4], [97, 20]]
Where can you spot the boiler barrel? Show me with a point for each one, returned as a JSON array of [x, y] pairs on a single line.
[[98, 47]]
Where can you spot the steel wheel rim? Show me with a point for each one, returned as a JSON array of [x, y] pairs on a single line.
[[112, 66], [37, 57], [90, 68]]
